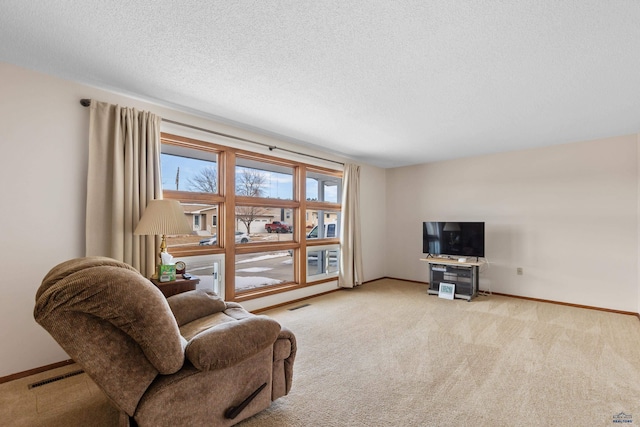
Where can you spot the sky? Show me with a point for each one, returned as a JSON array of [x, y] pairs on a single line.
[[278, 185]]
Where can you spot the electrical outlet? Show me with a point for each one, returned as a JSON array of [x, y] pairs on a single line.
[[519, 271]]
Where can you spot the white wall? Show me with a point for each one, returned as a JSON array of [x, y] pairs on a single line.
[[568, 215], [43, 134], [638, 221], [43, 177]]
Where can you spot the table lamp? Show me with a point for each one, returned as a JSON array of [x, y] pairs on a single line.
[[163, 217]]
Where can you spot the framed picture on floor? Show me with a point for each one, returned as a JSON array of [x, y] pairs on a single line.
[[446, 290]]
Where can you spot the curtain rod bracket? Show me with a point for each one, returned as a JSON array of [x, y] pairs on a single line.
[[85, 102]]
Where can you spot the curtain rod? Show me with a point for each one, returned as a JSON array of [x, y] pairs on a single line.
[[87, 102]]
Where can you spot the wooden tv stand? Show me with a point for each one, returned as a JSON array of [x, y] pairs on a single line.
[[462, 274]]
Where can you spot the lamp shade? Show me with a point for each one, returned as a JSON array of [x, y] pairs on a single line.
[[163, 217]]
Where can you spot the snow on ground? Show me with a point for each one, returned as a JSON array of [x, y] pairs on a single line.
[[246, 283], [263, 257], [252, 282], [253, 269]]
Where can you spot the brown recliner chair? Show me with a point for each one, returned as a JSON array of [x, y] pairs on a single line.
[[188, 360]]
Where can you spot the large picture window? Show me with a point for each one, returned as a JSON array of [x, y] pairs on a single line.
[[274, 222]]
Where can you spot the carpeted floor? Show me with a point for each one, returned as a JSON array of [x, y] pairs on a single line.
[[72, 402], [387, 354]]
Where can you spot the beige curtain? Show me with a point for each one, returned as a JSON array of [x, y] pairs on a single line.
[[351, 270], [123, 175]]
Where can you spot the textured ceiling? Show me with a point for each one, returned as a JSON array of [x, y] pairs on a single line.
[[384, 82]]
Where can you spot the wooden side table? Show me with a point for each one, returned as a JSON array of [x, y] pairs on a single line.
[[176, 286]]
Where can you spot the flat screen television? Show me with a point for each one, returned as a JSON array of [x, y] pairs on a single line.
[[453, 238]]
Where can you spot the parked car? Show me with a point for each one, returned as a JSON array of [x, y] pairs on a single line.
[[213, 240], [209, 241], [242, 237], [278, 227], [329, 231]]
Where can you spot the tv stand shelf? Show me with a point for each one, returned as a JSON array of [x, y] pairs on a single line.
[[464, 275]]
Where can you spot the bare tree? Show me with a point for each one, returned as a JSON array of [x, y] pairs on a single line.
[[205, 181], [250, 182]]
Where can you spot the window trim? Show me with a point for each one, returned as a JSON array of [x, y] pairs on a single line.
[[227, 201]]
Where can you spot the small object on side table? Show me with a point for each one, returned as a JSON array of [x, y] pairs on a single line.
[[181, 267], [167, 273], [176, 287]]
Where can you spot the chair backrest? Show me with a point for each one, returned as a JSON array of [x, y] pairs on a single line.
[[113, 322]]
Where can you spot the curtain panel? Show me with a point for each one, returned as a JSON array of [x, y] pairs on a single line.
[[123, 175], [351, 271]]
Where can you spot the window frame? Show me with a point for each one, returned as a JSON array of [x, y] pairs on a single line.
[[324, 275], [227, 201]]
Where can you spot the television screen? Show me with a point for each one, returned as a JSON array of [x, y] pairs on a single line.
[[453, 238]]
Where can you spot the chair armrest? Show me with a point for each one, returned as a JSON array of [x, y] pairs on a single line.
[[286, 336], [189, 306], [229, 343]]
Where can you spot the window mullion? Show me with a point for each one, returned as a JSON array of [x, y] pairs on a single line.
[[228, 162], [266, 202], [300, 189]]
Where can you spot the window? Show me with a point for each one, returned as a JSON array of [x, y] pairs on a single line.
[[273, 222], [265, 223], [203, 218], [323, 188], [181, 172], [323, 191], [322, 261], [260, 269], [261, 179], [324, 224]]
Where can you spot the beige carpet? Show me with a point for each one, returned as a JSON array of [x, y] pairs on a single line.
[[72, 402], [387, 354]]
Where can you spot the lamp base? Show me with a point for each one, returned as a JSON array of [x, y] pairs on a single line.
[[155, 274]]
